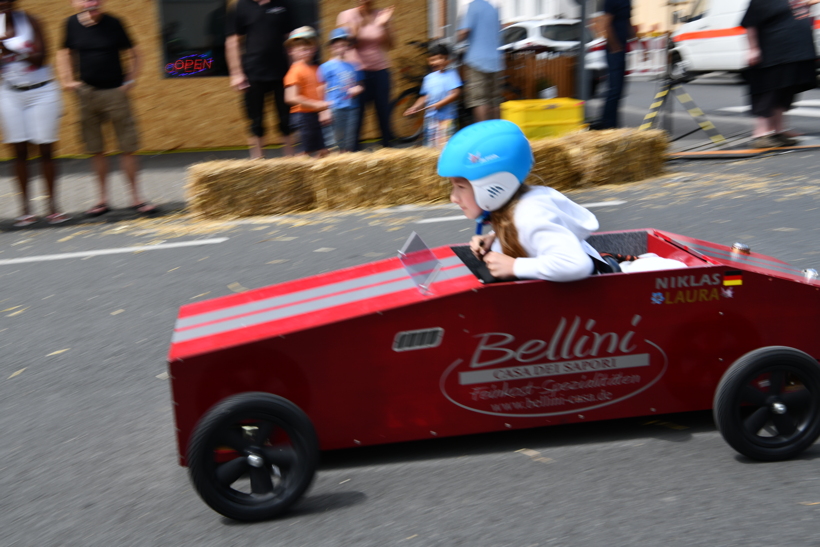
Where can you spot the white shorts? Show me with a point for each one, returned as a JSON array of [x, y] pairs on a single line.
[[31, 116]]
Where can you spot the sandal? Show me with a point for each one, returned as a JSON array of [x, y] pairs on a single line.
[[97, 210], [57, 218], [145, 208], [25, 220]]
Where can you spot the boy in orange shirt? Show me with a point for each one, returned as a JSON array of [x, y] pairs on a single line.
[[309, 110]]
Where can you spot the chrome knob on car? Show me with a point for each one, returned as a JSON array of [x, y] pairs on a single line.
[[255, 460], [741, 248], [778, 408], [810, 273]]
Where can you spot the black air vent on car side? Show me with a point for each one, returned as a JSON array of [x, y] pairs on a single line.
[[418, 339]]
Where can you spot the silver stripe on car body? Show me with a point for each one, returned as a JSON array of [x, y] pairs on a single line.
[[299, 296], [329, 301]]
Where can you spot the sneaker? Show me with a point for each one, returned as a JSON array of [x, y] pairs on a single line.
[[766, 141], [786, 140], [25, 220]]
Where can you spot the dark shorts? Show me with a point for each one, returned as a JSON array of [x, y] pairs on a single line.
[[310, 131], [775, 87], [255, 106]]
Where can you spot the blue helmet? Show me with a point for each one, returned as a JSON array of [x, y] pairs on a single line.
[[494, 156]]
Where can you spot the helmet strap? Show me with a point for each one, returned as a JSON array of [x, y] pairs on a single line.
[[483, 218]]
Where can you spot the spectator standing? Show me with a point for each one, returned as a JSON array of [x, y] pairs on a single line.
[[304, 93], [781, 64], [30, 104], [618, 30], [481, 26], [93, 42], [258, 62], [373, 38], [439, 92], [342, 88]]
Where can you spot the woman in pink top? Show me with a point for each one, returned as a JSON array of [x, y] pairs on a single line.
[[373, 38]]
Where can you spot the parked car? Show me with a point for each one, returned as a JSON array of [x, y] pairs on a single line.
[[559, 36], [711, 39]]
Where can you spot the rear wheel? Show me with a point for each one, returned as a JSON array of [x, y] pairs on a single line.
[[252, 456], [767, 405], [406, 128]]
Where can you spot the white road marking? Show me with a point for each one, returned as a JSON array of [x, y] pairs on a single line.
[[613, 203], [440, 219], [805, 112], [84, 254]]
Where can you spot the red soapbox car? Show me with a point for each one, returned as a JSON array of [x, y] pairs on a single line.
[[423, 346]]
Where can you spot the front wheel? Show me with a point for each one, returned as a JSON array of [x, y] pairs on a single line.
[[767, 405], [252, 456]]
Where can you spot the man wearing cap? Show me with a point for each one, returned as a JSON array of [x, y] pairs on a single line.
[[258, 62]]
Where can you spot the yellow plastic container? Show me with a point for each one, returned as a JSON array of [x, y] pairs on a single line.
[[540, 118]]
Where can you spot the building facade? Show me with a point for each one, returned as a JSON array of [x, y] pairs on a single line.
[[183, 99]]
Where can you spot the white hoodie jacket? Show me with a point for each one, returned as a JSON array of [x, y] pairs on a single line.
[[552, 229]]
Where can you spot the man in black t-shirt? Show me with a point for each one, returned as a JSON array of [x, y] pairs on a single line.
[[91, 48], [258, 62]]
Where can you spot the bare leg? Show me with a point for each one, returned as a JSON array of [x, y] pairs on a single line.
[[50, 174], [21, 170], [482, 112], [255, 144], [776, 120], [130, 166], [288, 148], [761, 127], [101, 168]]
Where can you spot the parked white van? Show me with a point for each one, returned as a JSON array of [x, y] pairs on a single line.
[[711, 39]]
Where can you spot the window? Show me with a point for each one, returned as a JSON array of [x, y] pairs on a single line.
[[193, 38], [514, 34], [562, 33], [699, 10]]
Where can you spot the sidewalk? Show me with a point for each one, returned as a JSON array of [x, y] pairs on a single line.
[[162, 181]]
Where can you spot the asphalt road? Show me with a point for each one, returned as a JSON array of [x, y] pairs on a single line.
[[723, 98], [89, 458]]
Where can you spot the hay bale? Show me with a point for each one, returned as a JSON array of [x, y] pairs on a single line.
[[553, 164], [241, 188], [407, 176], [379, 179], [616, 155]]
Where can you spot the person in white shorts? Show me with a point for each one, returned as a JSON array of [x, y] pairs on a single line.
[[30, 104]]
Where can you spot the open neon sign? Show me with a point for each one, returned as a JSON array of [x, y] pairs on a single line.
[[190, 65]]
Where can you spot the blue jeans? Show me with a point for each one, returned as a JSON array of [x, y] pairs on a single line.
[[376, 90], [615, 81], [344, 128]]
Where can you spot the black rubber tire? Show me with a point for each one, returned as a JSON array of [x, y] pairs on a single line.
[[244, 424], [747, 403], [406, 129]]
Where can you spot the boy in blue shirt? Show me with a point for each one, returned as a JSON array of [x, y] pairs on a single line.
[[342, 86], [439, 92]]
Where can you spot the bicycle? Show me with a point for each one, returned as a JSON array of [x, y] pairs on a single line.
[[412, 70]]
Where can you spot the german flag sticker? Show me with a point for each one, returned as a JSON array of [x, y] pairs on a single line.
[[733, 278]]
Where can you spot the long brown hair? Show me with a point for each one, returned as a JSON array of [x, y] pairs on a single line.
[[503, 222]]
